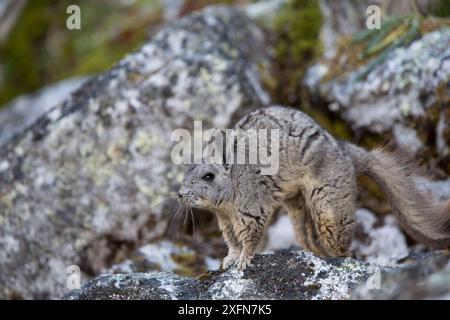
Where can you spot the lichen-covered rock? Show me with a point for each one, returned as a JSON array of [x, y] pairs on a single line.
[[286, 274], [89, 179], [406, 95], [424, 276], [23, 111]]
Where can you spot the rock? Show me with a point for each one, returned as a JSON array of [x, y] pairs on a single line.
[[288, 274], [425, 276], [341, 19], [92, 179], [23, 111], [378, 240], [405, 95], [172, 9]]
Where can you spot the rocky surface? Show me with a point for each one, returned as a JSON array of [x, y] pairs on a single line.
[[379, 249], [92, 177], [341, 19], [421, 276], [23, 111], [406, 95], [378, 240], [308, 277], [287, 274]]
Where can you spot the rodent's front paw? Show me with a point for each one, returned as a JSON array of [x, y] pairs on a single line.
[[243, 262], [229, 260]]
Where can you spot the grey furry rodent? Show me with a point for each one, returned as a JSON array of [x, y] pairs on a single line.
[[315, 184]]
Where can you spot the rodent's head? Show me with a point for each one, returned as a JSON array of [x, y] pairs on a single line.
[[206, 186]]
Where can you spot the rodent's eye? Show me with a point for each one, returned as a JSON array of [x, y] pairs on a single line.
[[208, 177]]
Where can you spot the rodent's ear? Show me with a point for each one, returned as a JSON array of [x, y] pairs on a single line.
[[214, 151], [229, 148], [222, 147]]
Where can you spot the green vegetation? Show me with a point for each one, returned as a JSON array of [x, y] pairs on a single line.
[[440, 9], [296, 31], [41, 50]]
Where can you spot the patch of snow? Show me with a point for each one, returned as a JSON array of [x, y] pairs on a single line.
[[407, 138], [440, 141], [212, 264], [387, 244], [440, 189], [280, 235]]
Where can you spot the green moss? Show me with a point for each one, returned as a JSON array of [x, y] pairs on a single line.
[[40, 49], [296, 31], [439, 8], [296, 44]]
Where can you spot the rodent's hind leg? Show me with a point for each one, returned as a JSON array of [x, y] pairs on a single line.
[[302, 224], [234, 247], [332, 208]]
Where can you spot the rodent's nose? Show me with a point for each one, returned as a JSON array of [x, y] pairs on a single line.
[[179, 195]]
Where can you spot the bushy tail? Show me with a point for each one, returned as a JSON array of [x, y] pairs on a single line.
[[423, 218]]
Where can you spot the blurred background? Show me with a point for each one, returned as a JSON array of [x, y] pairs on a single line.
[[39, 56], [36, 50]]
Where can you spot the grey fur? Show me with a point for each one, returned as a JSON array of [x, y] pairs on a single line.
[[315, 184]]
